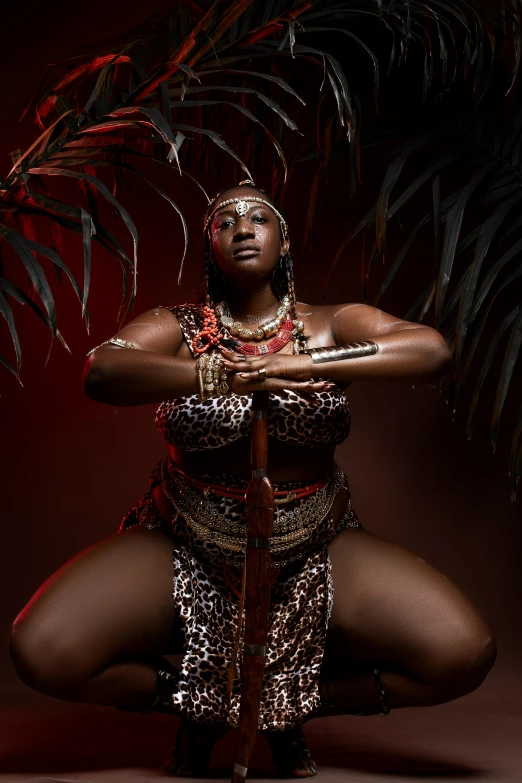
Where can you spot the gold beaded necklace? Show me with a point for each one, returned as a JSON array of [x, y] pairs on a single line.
[[262, 331]]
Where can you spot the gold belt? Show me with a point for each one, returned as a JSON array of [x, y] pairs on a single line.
[[290, 529]]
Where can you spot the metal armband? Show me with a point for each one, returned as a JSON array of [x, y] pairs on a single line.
[[115, 341], [335, 353]]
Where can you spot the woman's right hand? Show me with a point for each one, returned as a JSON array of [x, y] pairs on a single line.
[[245, 386]]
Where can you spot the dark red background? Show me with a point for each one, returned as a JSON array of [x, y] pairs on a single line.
[[71, 468]]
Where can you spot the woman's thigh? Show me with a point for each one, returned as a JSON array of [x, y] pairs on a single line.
[[111, 601], [391, 606]]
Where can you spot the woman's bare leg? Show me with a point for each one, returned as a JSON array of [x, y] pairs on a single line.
[[95, 631], [394, 612]]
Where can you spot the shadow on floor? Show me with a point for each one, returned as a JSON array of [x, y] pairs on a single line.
[[81, 738]]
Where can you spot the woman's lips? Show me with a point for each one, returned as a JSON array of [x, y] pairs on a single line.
[[246, 253]]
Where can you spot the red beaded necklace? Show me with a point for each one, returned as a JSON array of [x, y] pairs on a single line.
[[283, 337], [211, 334]]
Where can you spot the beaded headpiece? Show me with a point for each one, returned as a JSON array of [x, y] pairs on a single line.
[[242, 208]]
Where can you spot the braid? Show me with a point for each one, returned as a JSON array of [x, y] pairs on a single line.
[[283, 280], [214, 282], [290, 283], [279, 279]]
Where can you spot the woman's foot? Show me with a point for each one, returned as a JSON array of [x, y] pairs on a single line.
[[290, 753], [194, 744]]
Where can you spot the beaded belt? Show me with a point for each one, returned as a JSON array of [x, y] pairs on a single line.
[[291, 528]]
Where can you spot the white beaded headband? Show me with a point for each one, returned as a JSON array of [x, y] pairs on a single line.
[[242, 208]]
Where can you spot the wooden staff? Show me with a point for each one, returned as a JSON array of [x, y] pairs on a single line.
[[259, 521]]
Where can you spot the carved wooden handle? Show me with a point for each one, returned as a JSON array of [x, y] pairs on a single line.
[[259, 520]]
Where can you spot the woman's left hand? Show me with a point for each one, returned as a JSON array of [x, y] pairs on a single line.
[[282, 365]]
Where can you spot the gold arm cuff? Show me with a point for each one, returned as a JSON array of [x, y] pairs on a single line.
[[115, 341], [336, 353]]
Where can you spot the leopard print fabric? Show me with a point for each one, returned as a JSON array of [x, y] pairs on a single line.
[[316, 420], [206, 596], [207, 578]]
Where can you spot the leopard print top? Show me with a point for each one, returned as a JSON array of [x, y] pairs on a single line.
[[318, 420]]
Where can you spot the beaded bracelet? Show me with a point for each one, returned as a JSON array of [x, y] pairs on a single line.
[[212, 376]]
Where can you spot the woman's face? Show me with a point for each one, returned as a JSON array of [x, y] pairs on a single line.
[[246, 245]]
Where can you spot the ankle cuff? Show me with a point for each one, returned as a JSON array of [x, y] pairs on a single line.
[[382, 693], [166, 684]]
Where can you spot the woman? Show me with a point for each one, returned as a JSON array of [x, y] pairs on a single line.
[[358, 625]]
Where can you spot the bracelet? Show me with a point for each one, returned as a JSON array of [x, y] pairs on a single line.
[[335, 353], [115, 341], [212, 376]]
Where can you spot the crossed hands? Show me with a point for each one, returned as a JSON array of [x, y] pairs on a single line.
[[283, 371]]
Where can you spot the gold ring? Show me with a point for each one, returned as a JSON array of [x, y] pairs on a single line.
[[262, 374]]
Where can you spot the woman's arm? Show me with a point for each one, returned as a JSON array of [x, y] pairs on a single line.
[[126, 376], [161, 369], [406, 352]]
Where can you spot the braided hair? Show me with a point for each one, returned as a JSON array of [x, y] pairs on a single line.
[[282, 281]]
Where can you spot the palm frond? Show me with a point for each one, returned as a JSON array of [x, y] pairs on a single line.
[[474, 151], [129, 99]]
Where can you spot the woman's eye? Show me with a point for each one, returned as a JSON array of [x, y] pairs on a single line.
[[257, 218]]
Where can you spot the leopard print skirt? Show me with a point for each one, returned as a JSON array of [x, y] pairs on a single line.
[[206, 590]]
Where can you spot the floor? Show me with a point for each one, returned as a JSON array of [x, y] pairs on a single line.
[[474, 738]]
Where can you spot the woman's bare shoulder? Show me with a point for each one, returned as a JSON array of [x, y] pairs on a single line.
[[329, 312], [347, 322], [358, 321], [331, 308], [156, 330]]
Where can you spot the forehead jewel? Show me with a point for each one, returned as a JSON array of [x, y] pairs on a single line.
[[242, 208]]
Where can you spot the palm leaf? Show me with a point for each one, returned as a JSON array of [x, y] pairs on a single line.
[[514, 456], [247, 113], [13, 290], [486, 366], [484, 239], [510, 357], [451, 234], [6, 311], [134, 170], [36, 274], [267, 76], [133, 99], [99, 185]]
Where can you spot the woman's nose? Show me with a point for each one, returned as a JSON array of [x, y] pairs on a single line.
[[244, 228]]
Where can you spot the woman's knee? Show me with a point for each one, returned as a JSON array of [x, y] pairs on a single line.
[[44, 660], [112, 600], [480, 661], [464, 665], [39, 661]]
